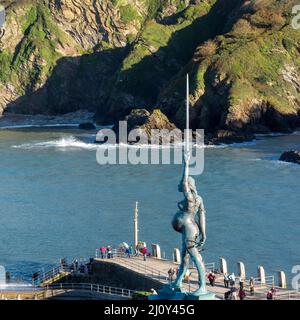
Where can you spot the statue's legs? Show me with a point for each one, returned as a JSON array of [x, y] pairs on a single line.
[[191, 235], [183, 266], [197, 259]]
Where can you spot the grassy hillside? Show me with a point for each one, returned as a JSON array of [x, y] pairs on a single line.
[[117, 55]]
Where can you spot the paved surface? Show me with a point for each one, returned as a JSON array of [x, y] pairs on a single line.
[[158, 269]]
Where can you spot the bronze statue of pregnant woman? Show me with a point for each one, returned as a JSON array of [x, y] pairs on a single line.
[[190, 222]]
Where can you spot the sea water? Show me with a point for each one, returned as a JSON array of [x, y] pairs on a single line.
[[57, 201]]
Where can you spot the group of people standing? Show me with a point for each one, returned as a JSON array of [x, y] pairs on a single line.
[[106, 252], [234, 293], [129, 251]]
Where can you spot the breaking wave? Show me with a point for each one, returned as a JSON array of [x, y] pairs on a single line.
[[62, 143], [76, 143]]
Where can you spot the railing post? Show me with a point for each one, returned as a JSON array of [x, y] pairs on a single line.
[[282, 280], [241, 270], [223, 266], [261, 275], [177, 256]]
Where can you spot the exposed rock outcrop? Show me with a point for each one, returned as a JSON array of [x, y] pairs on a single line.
[[144, 122], [228, 137], [291, 156]]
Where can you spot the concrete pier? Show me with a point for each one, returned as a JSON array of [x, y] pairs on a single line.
[[108, 278]]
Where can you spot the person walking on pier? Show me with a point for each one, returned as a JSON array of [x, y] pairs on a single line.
[[171, 274], [211, 278], [131, 250], [242, 294], [270, 295], [226, 280], [109, 252], [137, 251], [232, 279], [273, 290], [127, 252], [102, 252], [233, 293], [251, 286], [241, 282], [145, 252]]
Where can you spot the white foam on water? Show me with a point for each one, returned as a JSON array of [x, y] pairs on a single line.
[[63, 143], [72, 142]]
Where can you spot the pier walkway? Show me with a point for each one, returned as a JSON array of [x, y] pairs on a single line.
[[157, 269], [57, 283]]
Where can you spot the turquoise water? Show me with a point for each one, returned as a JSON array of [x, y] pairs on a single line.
[[56, 201]]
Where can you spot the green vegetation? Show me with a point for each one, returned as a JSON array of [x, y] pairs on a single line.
[[129, 13], [141, 295], [5, 61]]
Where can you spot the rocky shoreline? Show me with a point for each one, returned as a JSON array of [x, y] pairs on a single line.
[[138, 119], [10, 120]]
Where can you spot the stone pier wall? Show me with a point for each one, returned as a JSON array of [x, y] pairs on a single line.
[[111, 274]]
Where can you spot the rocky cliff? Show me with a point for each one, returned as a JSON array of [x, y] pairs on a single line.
[[113, 56]]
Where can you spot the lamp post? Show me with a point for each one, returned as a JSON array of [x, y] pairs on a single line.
[[136, 230]]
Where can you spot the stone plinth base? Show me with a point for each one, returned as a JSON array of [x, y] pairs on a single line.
[[206, 296], [169, 293]]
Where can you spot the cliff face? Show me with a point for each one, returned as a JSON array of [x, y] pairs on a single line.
[[112, 56]]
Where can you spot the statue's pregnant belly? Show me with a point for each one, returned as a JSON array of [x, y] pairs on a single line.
[[181, 220]]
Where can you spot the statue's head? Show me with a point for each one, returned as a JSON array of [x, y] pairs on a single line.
[[192, 185]]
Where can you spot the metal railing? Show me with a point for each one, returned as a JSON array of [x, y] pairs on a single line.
[[208, 266], [51, 275], [269, 282], [53, 290], [144, 268], [291, 295], [153, 273], [57, 288]]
